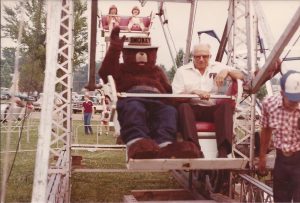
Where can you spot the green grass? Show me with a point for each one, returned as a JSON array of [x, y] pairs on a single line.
[[86, 187], [111, 187], [19, 187]]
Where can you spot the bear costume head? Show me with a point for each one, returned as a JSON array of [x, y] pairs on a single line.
[[139, 54]]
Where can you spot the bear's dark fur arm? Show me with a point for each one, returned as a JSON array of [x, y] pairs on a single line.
[[165, 82], [110, 64]]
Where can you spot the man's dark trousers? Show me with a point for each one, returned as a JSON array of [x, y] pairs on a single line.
[[221, 115]]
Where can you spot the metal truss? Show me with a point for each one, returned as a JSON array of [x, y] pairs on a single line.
[[51, 181], [248, 24], [249, 189], [244, 54]]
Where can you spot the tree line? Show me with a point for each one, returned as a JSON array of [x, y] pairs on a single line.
[[33, 44]]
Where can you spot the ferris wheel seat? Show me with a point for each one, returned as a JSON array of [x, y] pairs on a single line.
[[124, 20], [205, 127]]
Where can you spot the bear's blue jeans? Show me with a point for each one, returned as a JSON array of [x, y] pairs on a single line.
[[147, 118]]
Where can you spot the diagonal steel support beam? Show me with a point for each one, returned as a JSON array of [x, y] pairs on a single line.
[[284, 39]]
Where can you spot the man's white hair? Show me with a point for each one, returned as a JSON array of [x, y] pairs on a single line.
[[202, 45]]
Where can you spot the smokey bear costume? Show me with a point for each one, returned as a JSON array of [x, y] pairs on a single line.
[[148, 125]]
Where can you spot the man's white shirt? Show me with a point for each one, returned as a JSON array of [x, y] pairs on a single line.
[[188, 79]]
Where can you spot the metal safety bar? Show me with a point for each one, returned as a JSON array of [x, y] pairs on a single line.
[[156, 95]]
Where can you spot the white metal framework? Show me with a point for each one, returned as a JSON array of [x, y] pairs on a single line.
[[51, 181], [248, 24], [242, 55]]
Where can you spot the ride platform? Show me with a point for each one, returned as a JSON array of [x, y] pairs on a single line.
[[186, 164]]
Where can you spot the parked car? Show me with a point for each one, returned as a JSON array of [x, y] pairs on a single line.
[[5, 96], [26, 98], [38, 103], [75, 96], [77, 105]]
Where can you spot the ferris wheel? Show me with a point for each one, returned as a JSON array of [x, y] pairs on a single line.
[[245, 29]]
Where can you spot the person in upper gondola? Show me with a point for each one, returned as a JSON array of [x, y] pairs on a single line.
[[136, 23], [112, 18]]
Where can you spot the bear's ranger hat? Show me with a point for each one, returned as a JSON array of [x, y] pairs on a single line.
[[290, 85], [139, 43]]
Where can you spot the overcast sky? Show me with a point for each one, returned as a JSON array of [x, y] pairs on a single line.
[[211, 15]]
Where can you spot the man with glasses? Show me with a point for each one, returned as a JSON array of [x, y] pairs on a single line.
[[205, 77]]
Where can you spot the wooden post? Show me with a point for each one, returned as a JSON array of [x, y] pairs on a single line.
[[92, 51]]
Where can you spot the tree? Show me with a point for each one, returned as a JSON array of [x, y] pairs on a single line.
[[80, 77], [262, 93], [32, 61], [179, 58], [6, 78], [7, 66], [179, 63], [33, 50], [80, 34]]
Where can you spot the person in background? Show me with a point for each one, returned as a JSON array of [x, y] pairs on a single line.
[[135, 22], [106, 113], [204, 77], [112, 18], [281, 118], [29, 108], [87, 111], [15, 110]]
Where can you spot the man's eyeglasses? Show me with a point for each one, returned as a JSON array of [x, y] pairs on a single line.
[[203, 56]]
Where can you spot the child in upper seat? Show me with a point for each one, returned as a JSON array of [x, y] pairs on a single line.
[[136, 23], [112, 18]]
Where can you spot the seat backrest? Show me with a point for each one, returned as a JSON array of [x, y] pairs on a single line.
[[202, 126], [124, 20]]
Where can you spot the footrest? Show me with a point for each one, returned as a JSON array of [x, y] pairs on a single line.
[[186, 164]]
